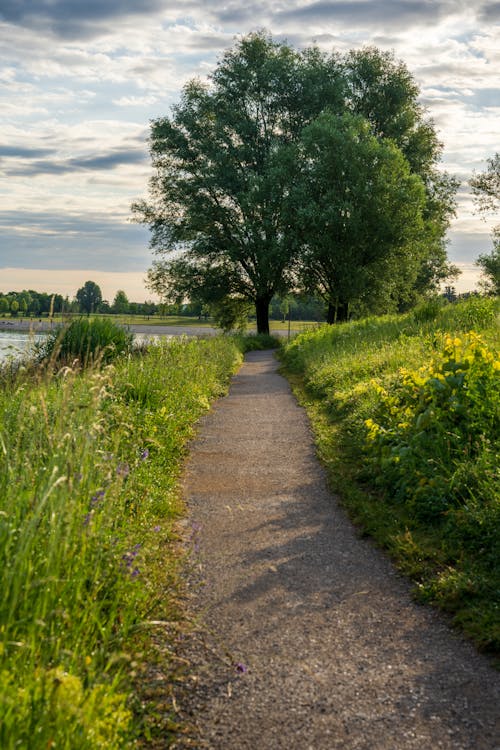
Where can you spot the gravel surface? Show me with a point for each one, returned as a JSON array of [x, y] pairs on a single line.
[[306, 637]]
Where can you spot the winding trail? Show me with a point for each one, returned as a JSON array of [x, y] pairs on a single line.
[[307, 638]]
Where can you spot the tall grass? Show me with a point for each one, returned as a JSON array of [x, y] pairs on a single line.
[[405, 410], [88, 474]]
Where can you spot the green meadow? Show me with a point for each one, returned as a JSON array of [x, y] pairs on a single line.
[[406, 416]]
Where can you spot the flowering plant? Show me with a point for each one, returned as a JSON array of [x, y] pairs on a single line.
[[435, 427]]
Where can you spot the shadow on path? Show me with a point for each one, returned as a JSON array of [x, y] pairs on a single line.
[[308, 638]]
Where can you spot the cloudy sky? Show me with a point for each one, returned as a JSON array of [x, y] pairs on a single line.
[[79, 82]]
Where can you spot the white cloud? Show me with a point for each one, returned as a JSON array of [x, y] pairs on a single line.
[[79, 85], [135, 101]]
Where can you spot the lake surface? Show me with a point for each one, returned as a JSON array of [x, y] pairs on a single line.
[[15, 344]]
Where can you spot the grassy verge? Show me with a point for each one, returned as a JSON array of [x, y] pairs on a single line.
[[89, 463], [405, 412]]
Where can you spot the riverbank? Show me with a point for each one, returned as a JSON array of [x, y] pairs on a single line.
[[37, 325]]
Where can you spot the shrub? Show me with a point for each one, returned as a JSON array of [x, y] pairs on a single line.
[[87, 340], [429, 310], [258, 341]]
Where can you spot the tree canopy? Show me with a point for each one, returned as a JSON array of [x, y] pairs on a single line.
[[255, 166], [361, 214], [89, 297], [486, 190]]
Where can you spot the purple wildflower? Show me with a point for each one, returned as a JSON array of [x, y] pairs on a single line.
[[144, 454], [87, 519], [241, 668], [96, 499], [129, 562], [157, 528], [123, 470], [128, 558]]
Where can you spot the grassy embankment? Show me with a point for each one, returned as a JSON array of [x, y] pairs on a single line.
[[89, 463], [406, 416]]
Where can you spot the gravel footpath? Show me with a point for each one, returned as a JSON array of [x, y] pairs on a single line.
[[306, 637]]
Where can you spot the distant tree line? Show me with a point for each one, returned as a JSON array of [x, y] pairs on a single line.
[[30, 303], [88, 299], [294, 306]]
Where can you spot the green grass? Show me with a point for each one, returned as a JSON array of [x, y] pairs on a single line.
[[89, 466], [295, 325], [414, 455]]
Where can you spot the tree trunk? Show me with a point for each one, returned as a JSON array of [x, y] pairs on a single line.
[[338, 312], [262, 311], [330, 315], [342, 312]]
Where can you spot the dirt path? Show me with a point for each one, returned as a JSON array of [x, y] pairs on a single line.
[[307, 637]]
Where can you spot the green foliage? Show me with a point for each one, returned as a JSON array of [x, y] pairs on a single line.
[[121, 305], [436, 432], [429, 310], [87, 340], [231, 313], [486, 186], [89, 462], [490, 266], [405, 410], [486, 189], [362, 214], [89, 297], [281, 151], [258, 341]]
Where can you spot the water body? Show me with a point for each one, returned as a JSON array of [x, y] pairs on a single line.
[[16, 344]]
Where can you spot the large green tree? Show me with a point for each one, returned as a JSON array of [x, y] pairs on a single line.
[[89, 297], [221, 204], [230, 181], [377, 253]]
